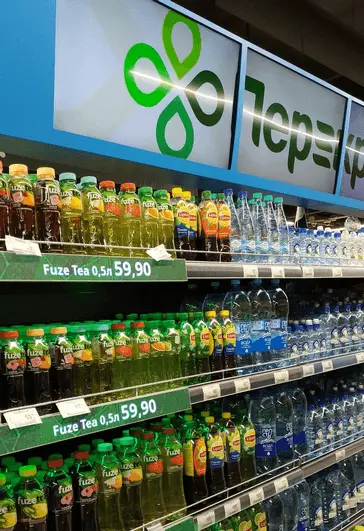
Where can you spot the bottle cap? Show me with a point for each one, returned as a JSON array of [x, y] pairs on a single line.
[[43, 173], [257, 195], [88, 179], [268, 197], [80, 456], [228, 191], [132, 316], [96, 442], [9, 334], [205, 414], [59, 330], [136, 431], [186, 195], [161, 194], [31, 332], [55, 463], [198, 315], [127, 441], [145, 190], [209, 420], [27, 471], [67, 176], [220, 197], [226, 415], [170, 323], [138, 324], [118, 326], [2, 479], [128, 186], [104, 447], [278, 200], [107, 184], [147, 435], [169, 431], [182, 316], [176, 192], [206, 194], [84, 447], [210, 313], [22, 169]]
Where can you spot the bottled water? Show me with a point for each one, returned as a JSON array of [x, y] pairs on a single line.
[[260, 323], [329, 501], [349, 411], [352, 399], [338, 416], [302, 239], [346, 467], [356, 397], [353, 248], [307, 348], [327, 247], [316, 504], [214, 299], [321, 244], [262, 413], [358, 466], [355, 327], [260, 229], [274, 511], [314, 432], [283, 233], [289, 499], [360, 246], [273, 238], [279, 321], [295, 246], [319, 340], [316, 248], [303, 495], [326, 320], [235, 234], [328, 426], [292, 352], [342, 493], [361, 320], [336, 248], [309, 247], [344, 248], [299, 420], [284, 427], [246, 227], [344, 328]]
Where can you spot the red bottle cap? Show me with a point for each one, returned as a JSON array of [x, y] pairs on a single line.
[[148, 435], [137, 324], [128, 186], [81, 455], [9, 334], [107, 184], [118, 326]]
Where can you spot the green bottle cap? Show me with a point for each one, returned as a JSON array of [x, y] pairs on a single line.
[[7, 461], [161, 194], [268, 197], [145, 190], [69, 461], [15, 467], [2, 479], [257, 195], [170, 323], [84, 447], [132, 316], [183, 316], [206, 194], [116, 442], [127, 441], [28, 471], [119, 316], [104, 448], [278, 200], [96, 442], [143, 317], [36, 461], [170, 316], [67, 176], [198, 315]]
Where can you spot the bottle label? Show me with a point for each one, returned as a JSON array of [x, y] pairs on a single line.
[[261, 247], [131, 207], [327, 251], [316, 250], [173, 458], [150, 210], [232, 446], [87, 487], [195, 458], [297, 249], [344, 334], [216, 333], [318, 516], [351, 425], [215, 448], [334, 336], [329, 431], [229, 338], [131, 472], [322, 345], [143, 346], [261, 336], [260, 521], [32, 505], [284, 442], [294, 350], [250, 246], [123, 347], [71, 198], [360, 491], [224, 221], [112, 204], [8, 516], [353, 501], [249, 440], [154, 465], [165, 211], [339, 428], [209, 219], [243, 338], [316, 345], [81, 350], [266, 445], [359, 421], [332, 508], [192, 226], [318, 437], [181, 219], [206, 342], [245, 526], [63, 499], [345, 501], [278, 334], [309, 250], [66, 352], [355, 333], [48, 195], [95, 201], [21, 193], [110, 480], [13, 358], [38, 357]]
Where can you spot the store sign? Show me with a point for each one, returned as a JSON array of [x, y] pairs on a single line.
[[139, 74], [352, 183], [291, 126]]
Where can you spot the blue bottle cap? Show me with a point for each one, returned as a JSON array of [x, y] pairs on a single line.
[[67, 176], [89, 179]]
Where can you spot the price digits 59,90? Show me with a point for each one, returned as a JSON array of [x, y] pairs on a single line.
[[136, 269], [138, 411]]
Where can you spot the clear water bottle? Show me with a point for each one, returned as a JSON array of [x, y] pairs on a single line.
[[289, 499], [360, 396], [316, 504], [260, 323], [302, 239], [235, 234], [214, 299], [346, 467], [329, 501], [316, 259], [326, 320], [273, 236], [344, 248], [360, 247], [314, 432], [303, 494], [338, 416], [260, 229], [328, 425], [279, 322], [358, 466], [354, 408], [336, 248], [327, 247], [284, 427], [262, 413], [246, 227], [344, 329], [308, 342], [309, 247], [292, 352], [294, 246], [353, 248], [342, 493], [299, 420], [318, 339], [283, 232], [349, 411], [274, 512], [320, 236], [360, 323]]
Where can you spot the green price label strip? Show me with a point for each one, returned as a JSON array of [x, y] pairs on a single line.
[[106, 416], [79, 268]]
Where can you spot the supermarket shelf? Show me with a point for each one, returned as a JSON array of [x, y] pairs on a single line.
[[356, 519]]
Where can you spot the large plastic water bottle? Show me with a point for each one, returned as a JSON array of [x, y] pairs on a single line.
[[329, 501], [349, 412], [260, 229], [319, 340], [326, 323], [346, 467], [308, 339], [214, 299], [273, 237], [239, 306], [246, 227], [358, 465], [338, 416], [289, 499], [299, 420], [292, 352], [336, 248], [353, 248], [327, 247], [303, 494], [316, 504], [344, 248], [294, 246], [262, 413], [308, 241], [283, 233], [355, 327], [328, 425], [284, 427], [274, 512], [321, 244], [314, 431], [360, 322], [302, 232], [342, 492], [279, 322], [355, 407], [334, 331], [260, 323], [235, 234], [343, 325]]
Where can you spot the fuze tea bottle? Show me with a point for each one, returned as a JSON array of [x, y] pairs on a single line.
[[166, 221], [93, 216], [194, 456], [131, 215], [8, 517], [188, 347], [204, 346], [30, 501], [112, 217], [85, 489], [141, 353], [223, 228], [4, 207], [216, 360], [59, 493], [103, 350], [38, 364], [122, 371], [181, 222], [152, 490], [157, 362], [208, 229], [61, 350], [12, 370], [229, 342], [215, 457], [22, 205], [150, 218], [71, 213], [48, 210], [192, 225], [172, 454], [232, 449], [173, 350], [110, 482], [132, 474], [82, 355]]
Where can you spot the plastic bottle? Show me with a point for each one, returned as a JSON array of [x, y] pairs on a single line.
[[328, 426], [358, 466], [260, 323], [242, 521], [258, 517], [48, 210], [110, 482], [132, 476], [314, 431], [289, 499], [283, 232], [22, 204], [71, 213], [59, 493], [333, 326], [194, 456], [166, 221], [112, 217], [38, 364], [150, 217], [346, 467], [8, 517], [131, 221], [338, 416], [356, 325], [158, 364], [353, 248], [188, 347], [262, 413], [85, 489], [215, 458], [61, 350], [204, 346], [274, 512], [284, 427], [213, 301], [4, 207], [13, 363], [246, 228], [152, 491], [172, 342], [316, 504], [303, 495], [192, 229], [344, 248], [235, 235], [181, 222], [279, 320], [229, 342], [216, 359], [330, 502], [224, 230], [32, 515], [299, 420], [122, 370], [172, 454], [209, 225], [246, 429], [273, 235], [232, 450], [342, 493], [260, 229], [141, 353], [350, 415], [93, 216]]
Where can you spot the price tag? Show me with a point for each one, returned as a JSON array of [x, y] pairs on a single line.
[[360, 357], [256, 496], [250, 271], [308, 272], [19, 246], [232, 507], [281, 484], [281, 376], [72, 408], [340, 454], [277, 272], [242, 385], [308, 370], [205, 519], [327, 365], [159, 253], [337, 272], [212, 391], [22, 418]]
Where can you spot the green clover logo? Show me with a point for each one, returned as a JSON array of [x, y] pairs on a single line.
[[181, 68]]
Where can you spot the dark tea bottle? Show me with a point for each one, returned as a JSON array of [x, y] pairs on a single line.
[[48, 210], [22, 211], [62, 359]]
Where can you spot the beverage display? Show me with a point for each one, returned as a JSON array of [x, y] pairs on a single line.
[[48, 210], [112, 217], [31, 500]]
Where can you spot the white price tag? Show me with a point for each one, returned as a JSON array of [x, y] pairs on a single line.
[[281, 484], [256, 496], [277, 272], [211, 391], [242, 385], [72, 408], [22, 418], [250, 271], [232, 507], [281, 376], [308, 272], [337, 272], [159, 253], [360, 357], [19, 246], [327, 365], [205, 519], [308, 370], [340, 454]]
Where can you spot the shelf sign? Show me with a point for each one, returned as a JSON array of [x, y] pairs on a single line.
[[80, 268], [54, 428], [352, 184]]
